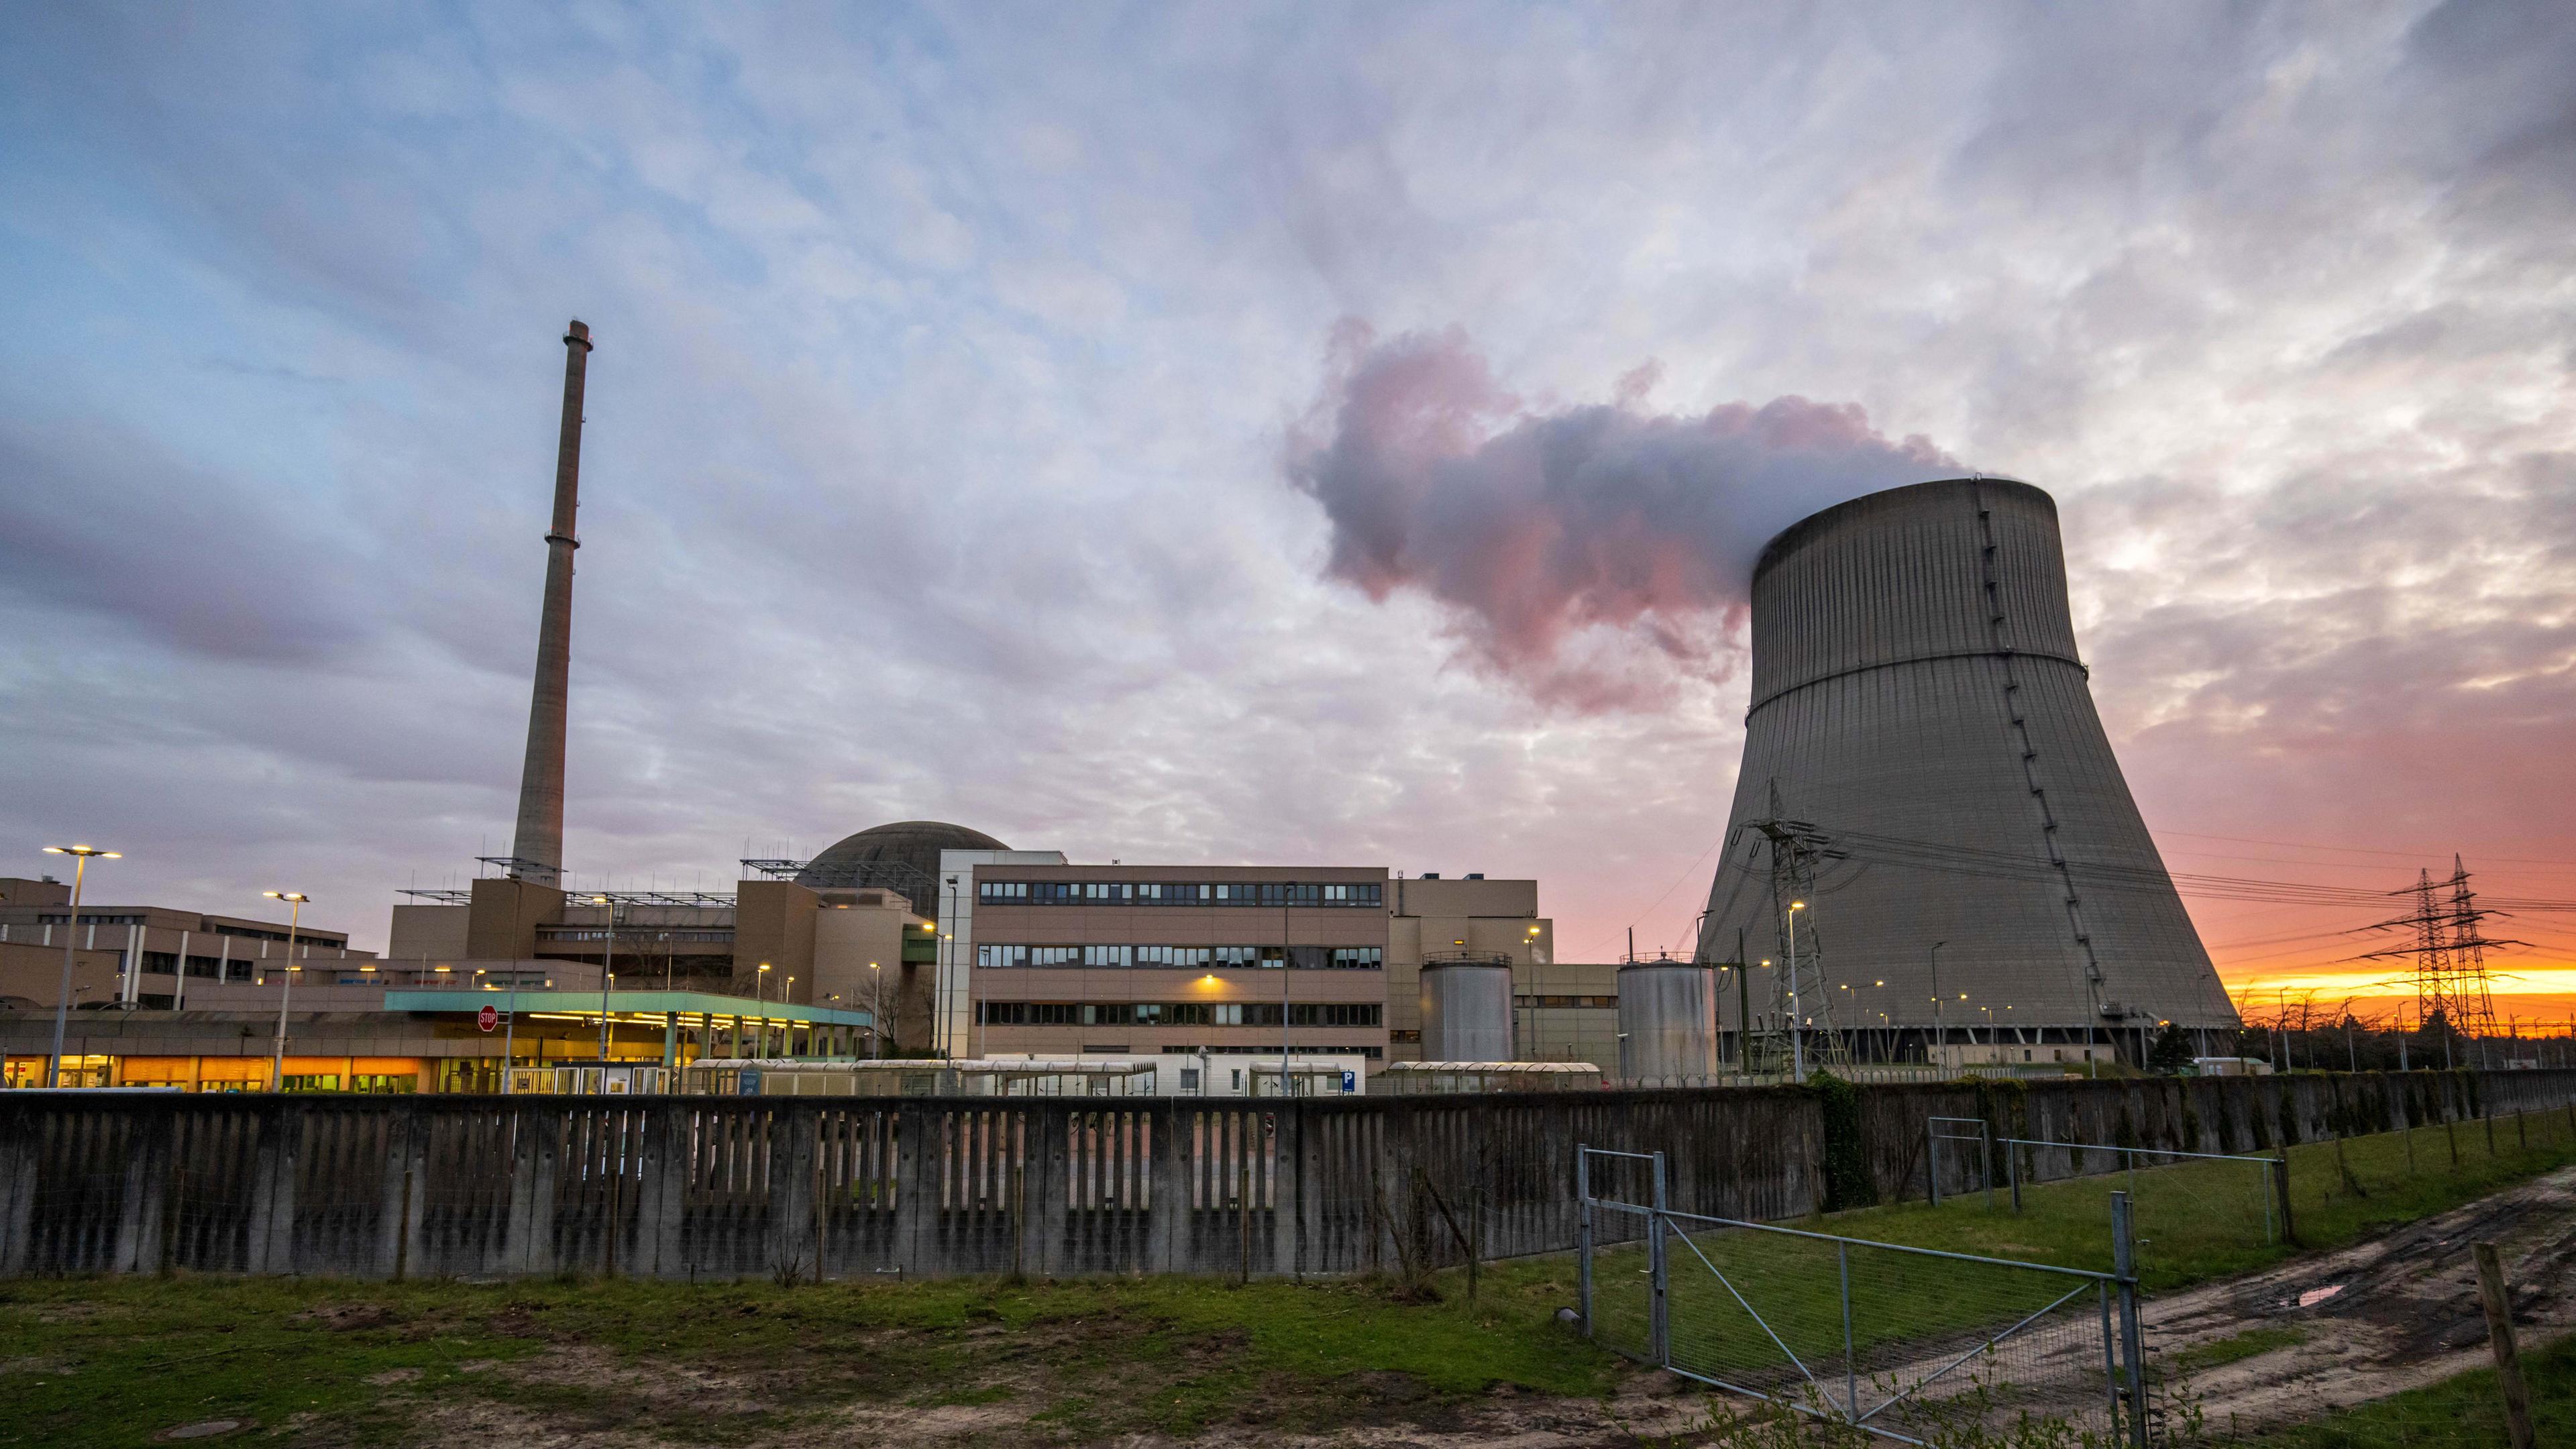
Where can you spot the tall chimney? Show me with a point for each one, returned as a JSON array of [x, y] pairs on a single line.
[[537, 857]]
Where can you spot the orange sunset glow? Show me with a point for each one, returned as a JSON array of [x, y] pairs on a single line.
[[2271, 954]]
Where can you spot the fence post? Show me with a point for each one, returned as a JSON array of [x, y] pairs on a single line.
[[1583, 1235], [2499, 1308], [2012, 1169], [1851, 1360], [2281, 1190], [1932, 1161], [2124, 1268], [1658, 1263], [1990, 1166]]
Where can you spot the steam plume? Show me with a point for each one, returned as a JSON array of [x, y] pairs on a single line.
[[1594, 554]]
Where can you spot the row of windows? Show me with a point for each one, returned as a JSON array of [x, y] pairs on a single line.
[[1176, 1013], [166, 963], [302, 938], [1192, 958], [629, 935], [1175, 893]]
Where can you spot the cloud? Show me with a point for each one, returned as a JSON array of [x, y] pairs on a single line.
[[95, 518], [949, 359], [1547, 535]]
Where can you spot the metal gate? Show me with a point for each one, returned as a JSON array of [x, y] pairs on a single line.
[[1905, 1343]]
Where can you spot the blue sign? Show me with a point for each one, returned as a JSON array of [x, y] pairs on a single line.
[[1350, 1081], [750, 1082]]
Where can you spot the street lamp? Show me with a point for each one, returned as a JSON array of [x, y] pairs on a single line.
[[286, 988], [1938, 1036], [607, 978], [1538, 994], [1797, 1036], [81, 856], [759, 997], [876, 1011]]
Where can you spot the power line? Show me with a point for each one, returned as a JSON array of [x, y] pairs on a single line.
[[2353, 849]]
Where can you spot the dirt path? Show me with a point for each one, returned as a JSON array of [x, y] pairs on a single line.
[[1652, 1405], [2382, 1316]]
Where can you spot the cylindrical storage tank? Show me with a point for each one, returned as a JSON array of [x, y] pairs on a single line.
[[1667, 1021], [1467, 1010]]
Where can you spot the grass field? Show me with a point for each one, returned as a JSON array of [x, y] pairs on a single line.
[[2458, 1413], [115, 1361], [112, 1361], [2195, 1222], [2205, 1220]]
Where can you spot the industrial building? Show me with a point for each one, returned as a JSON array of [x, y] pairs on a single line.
[[1931, 857], [1931, 851], [154, 956]]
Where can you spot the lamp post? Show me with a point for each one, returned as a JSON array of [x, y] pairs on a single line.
[[1797, 1013], [607, 979], [510, 1032], [760, 1001], [81, 856], [1937, 1033], [876, 1011], [1538, 997], [294, 917]]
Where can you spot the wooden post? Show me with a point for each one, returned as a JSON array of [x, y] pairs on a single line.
[[2499, 1307], [1243, 1203]]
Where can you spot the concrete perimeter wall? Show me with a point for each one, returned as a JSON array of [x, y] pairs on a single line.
[[689, 1187]]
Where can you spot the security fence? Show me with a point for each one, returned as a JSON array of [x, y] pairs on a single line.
[[2175, 1198], [1909, 1344]]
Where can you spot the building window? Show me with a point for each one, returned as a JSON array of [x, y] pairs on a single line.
[[1359, 958], [1177, 893], [161, 963], [1176, 1013]]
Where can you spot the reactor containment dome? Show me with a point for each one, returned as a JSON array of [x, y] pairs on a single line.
[[1923, 768]]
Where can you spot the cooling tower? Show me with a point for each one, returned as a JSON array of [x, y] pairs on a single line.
[[1923, 767]]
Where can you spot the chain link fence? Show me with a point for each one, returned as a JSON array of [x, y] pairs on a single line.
[[1909, 1344]]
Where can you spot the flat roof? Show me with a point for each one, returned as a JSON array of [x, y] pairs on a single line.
[[624, 1003]]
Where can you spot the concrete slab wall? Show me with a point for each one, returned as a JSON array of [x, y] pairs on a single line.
[[692, 1187]]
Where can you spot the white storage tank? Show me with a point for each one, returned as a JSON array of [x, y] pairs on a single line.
[[1467, 1009], [1667, 1022]]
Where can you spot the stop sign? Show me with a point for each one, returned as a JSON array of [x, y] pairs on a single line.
[[487, 1018]]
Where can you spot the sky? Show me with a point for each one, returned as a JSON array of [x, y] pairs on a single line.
[[1048, 418]]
